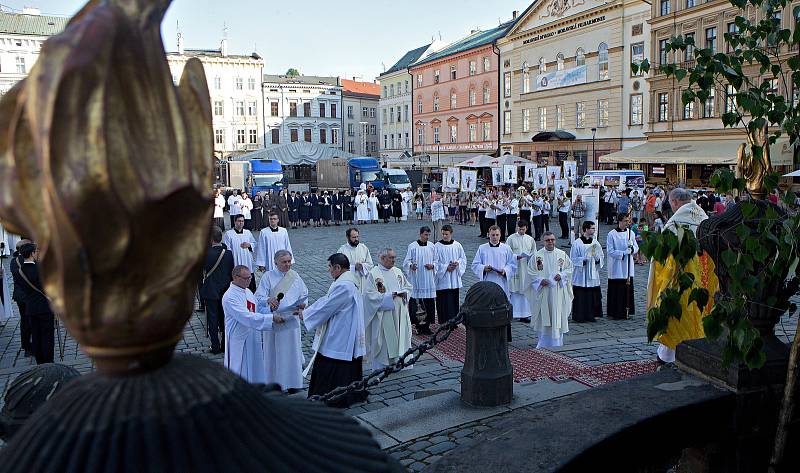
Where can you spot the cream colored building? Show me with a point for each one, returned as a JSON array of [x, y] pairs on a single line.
[[566, 79]]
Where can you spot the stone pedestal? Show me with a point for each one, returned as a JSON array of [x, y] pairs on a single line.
[[487, 377]]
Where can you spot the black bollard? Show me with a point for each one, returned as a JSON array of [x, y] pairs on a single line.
[[487, 377]]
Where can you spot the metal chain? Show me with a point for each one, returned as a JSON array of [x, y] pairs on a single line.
[[441, 334]]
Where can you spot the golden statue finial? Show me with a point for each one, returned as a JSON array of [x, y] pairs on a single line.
[[754, 170], [99, 151]]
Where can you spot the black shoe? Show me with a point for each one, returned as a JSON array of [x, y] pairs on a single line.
[[294, 390], [216, 351], [526, 320]]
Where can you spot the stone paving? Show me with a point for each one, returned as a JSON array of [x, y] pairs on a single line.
[[606, 343]]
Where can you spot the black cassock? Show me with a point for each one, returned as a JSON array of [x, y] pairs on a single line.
[[385, 206], [347, 207], [294, 209], [256, 217], [325, 204], [305, 209], [316, 208], [397, 205], [336, 207]]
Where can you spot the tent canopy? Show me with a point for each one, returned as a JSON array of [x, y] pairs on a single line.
[[693, 152], [793, 174], [484, 161], [300, 152]]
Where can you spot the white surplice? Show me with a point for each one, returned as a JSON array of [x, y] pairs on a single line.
[[243, 352], [373, 207], [519, 285], [219, 207], [552, 303], [422, 280], [247, 206], [499, 257], [388, 330], [620, 261], [358, 254], [235, 205], [269, 243], [283, 349], [241, 256], [587, 259], [445, 254], [362, 207]]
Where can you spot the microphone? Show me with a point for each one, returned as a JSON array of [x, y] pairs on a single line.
[[280, 298]]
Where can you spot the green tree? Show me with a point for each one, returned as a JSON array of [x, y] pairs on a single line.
[[292, 72]]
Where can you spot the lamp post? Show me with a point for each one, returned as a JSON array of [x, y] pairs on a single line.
[[594, 132]]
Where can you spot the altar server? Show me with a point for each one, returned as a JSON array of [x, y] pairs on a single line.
[[242, 244], [494, 261], [621, 246], [587, 258], [420, 268], [451, 264], [523, 246], [271, 240]]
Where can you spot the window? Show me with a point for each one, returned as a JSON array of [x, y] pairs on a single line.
[[372, 112], [322, 109], [773, 86], [218, 108], [602, 113], [730, 99], [307, 135], [487, 66], [218, 83], [392, 141], [690, 3], [419, 136], [507, 122], [580, 115], [472, 97], [663, 107], [21, 69], [251, 83], [419, 80], [777, 17], [253, 136], [453, 72], [273, 109], [435, 103], [733, 30], [526, 78], [406, 90], [350, 130], [323, 136], [252, 109], [486, 94], [349, 111], [542, 118], [406, 139], [398, 114], [240, 108], [662, 51], [276, 136], [436, 76], [636, 109], [507, 84], [795, 91], [711, 39], [391, 90], [240, 137], [473, 132], [239, 83], [365, 112], [350, 147], [405, 113], [559, 117], [580, 57], [559, 62], [419, 104], [453, 100], [602, 61], [473, 68], [709, 105], [637, 56], [385, 94], [219, 137], [335, 136], [293, 135], [373, 130], [333, 113], [688, 55], [292, 109], [454, 133], [385, 142], [688, 111], [435, 134], [487, 131], [664, 7], [526, 120]]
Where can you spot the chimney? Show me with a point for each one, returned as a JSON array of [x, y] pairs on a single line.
[[31, 11], [180, 43], [514, 14]]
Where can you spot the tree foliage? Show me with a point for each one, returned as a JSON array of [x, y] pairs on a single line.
[[292, 72]]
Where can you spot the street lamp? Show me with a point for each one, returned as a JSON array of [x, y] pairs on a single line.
[[594, 132]]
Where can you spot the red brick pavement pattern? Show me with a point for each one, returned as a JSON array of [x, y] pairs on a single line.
[[532, 364]]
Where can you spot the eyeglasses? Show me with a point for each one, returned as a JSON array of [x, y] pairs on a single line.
[[549, 239], [245, 278]]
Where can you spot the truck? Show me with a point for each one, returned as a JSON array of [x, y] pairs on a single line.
[[396, 179], [343, 173], [255, 175]]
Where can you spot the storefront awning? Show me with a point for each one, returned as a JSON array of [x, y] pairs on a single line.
[[693, 152]]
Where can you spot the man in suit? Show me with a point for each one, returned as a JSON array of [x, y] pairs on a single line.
[[37, 306], [19, 297], [217, 271]]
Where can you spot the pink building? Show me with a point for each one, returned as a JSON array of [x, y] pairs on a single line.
[[455, 98]]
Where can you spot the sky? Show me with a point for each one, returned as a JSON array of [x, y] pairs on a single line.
[[347, 38]]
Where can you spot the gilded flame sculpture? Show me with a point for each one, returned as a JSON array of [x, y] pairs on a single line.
[[110, 151]]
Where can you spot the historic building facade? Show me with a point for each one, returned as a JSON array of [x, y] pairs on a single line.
[[455, 98], [360, 122], [302, 108], [567, 90]]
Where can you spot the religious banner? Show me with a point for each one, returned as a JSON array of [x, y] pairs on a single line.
[[469, 181], [561, 186], [553, 173], [452, 179], [590, 198], [541, 178], [510, 173], [530, 172], [497, 176], [570, 171]]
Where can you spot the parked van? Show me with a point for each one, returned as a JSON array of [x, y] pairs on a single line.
[[396, 179], [620, 178]]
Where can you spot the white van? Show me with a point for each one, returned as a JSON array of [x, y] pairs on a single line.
[[396, 179], [620, 178]]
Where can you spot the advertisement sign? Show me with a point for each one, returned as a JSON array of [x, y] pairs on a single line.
[[564, 78]]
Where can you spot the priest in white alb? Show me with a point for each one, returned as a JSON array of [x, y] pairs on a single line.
[[282, 291], [420, 267], [550, 273], [388, 330], [451, 264], [243, 351], [358, 255], [494, 261], [523, 246], [242, 244], [270, 241]]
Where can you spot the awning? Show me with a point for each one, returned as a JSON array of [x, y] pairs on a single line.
[[558, 135], [492, 162], [693, 152], [793, 174], [300, 152]]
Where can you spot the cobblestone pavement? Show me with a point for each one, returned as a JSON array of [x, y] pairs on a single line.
[[606, 343]]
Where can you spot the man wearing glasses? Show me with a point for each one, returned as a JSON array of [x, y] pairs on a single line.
[[550, 272]]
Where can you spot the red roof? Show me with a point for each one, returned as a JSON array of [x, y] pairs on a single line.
[[364, 88]]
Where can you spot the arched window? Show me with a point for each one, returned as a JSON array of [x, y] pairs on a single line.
[[542, 65], [436, 102], [560, 62], [419, 104], [453, 99], [472, 97], [526, 78], [602, 61], [486, 94], [580, 57]]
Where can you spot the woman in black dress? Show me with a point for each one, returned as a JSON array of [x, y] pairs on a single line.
[[316, 208], [397, 206], [347, 207], [305, 212], [257, 219], [326, 205]]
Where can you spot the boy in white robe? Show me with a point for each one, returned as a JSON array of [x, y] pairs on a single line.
[[621, 246], [420, 268], [243, 353], [587, 259], [523, 246], [271, 240], [389, 329], [551, 280], [451, 264], [281, 291], [494, 261], [241, 243], [358, 255]]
